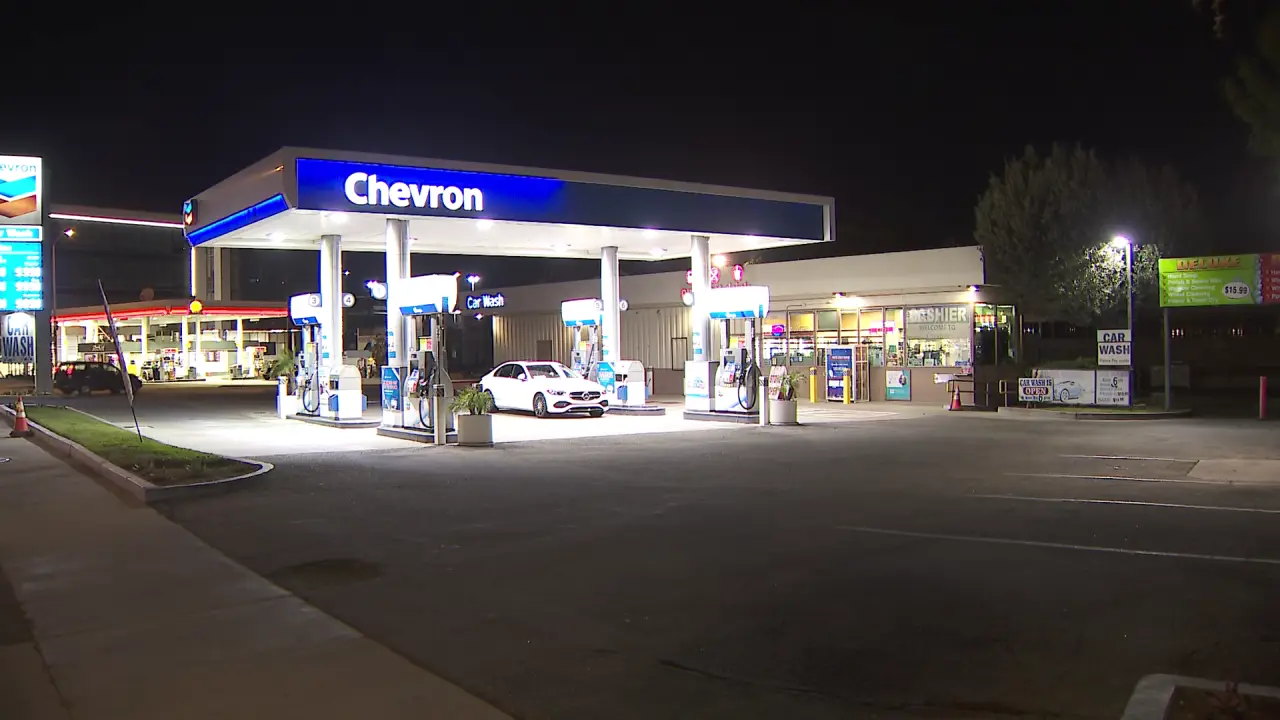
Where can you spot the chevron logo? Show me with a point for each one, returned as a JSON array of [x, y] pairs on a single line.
[[18, 197]]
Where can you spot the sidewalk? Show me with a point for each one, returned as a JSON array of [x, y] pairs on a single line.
[[133, 617]]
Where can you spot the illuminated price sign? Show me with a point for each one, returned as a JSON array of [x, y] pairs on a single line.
[[21, 276]]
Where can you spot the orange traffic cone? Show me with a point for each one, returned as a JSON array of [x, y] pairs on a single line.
[[20, 427], [955, 400]]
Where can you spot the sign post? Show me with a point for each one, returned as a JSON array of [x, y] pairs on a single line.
[[124, 368], [1212, 281]]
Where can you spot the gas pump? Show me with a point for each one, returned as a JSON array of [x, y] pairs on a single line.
[[421, 402], [738, 375], [583, 318], [305, 311], [731, 386]]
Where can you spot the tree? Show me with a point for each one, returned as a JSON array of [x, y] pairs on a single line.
[[1253, 88], [1046, 223]]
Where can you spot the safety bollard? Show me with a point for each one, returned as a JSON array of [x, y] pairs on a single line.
[[1262, 397], [813, 385], [848, 386]]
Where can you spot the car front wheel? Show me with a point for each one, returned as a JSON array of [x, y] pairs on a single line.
[[539, 406], [1063, 396]]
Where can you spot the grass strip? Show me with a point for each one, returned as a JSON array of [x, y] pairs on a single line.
[[150, 460]]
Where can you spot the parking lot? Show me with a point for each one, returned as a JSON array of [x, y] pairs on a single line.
[[932, 565], [239, 419]]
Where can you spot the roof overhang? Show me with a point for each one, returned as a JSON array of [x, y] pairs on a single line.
[[293, 197], [174, 310]]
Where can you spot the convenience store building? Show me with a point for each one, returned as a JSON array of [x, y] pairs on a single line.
[[919, 315]]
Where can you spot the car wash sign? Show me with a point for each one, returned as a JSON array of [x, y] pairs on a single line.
[[487, 301], [1115, 347], [17, 338]]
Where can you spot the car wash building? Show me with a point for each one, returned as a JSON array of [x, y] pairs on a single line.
[[908, 318], [340, 202]]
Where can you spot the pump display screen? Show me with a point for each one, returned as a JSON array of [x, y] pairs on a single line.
[[21, 276]]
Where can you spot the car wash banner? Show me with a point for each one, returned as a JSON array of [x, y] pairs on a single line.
[[1216, 280]]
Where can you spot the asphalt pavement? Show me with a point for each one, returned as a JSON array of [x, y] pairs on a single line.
[[950, 565]]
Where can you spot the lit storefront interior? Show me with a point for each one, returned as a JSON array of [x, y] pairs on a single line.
[[166, 341], [946, 338]]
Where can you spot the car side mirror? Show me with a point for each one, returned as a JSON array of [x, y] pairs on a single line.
[[522, 377]]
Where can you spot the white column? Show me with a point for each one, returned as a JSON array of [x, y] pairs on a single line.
[[331, 292], [398, 334], [197, 358], [610, 319], [699, 321], [240, 342], [220, 273], [62, 343], [182, 348], [144, 329]]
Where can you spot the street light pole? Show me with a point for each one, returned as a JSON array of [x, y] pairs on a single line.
[[1117, 241], [1128, 274], [53, 293]]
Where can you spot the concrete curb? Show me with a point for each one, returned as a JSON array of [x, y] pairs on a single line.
[[1150, 699], [1036, 414], [341, 424], [135, 486]]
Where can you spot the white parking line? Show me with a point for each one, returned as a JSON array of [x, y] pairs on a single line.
[[1119, 477], [1057, 546], [1096, 501], [1128, 457]]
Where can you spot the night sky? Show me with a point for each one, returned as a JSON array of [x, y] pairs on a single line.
[[900, 112]]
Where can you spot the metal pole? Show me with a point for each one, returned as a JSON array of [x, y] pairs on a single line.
[[1168, 379], [1128, 265], [53, 297], [439, 424], [762, 372]]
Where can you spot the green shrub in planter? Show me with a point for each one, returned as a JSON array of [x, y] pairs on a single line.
[[471, 401], [788, 384]]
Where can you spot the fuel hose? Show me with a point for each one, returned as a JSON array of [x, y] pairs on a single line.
[[747, 387]]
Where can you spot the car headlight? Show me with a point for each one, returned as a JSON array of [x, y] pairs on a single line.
[[556, 392]]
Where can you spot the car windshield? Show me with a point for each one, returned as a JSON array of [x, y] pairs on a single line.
[[543, 371], [570, 373]]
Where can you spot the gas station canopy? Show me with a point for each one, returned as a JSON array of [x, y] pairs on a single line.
[[289, 200], [162, 310]]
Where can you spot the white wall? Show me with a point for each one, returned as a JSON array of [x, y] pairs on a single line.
[[902, 273], [658, 323], [648, 335]]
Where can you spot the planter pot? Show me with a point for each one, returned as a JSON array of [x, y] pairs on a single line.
[[783, 412], [475, 430]]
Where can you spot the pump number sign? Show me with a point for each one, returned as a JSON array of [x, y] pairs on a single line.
[[21, 276], [1035, 389]]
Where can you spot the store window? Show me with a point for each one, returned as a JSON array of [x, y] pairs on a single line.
[[826, 333], [871, 334], [939, 336], [800, 341], [984, 334], [1007, 340], [894, 352], [849, 328], [774, 328]]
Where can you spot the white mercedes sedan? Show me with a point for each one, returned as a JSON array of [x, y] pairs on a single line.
[[546, 388]]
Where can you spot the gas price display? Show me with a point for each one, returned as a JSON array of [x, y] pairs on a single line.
[[21, 276]]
